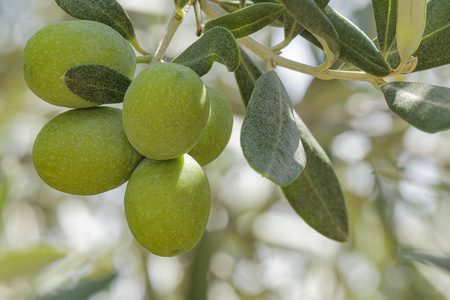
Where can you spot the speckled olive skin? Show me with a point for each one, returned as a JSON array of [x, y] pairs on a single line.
[[165, 110], [167, 205], [217, 132], [85, 151], [55, 48]]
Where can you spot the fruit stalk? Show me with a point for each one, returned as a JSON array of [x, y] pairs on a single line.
[[172, 27]]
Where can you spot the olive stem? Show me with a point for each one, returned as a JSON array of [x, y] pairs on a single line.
[[268, 54], [172, 27], [145, 59]]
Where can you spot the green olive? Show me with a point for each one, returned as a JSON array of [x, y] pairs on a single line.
[[167, 205], [165, 111], [55, 48], [85, 151]]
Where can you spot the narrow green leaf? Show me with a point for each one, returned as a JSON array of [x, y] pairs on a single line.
[[310, 16], [385, 12], [180, 4], [216, 45], [411, 16], [269, 137], [246, 76], [442, 262], [292, 28], [242, 3], [97, 83], [425, 106], [433, 48], [81, 291], [248, 20], [108, 12], [355, 47], [316, 195], [27, 262]]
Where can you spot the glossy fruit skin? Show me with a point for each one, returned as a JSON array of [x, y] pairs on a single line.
[[55, 48], [84, 151], [165, 111], [217, 132], [167, 205]]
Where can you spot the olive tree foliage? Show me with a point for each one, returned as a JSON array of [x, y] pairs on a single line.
[[274, 139]]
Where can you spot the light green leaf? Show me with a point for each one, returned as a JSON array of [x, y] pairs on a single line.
[[246, 76], [242, 3], [316, 195], [433, 49], [216, 45], [355, 47], [442, 262], [97, 83], [248, 20], [425, 106], [310, 16], [385, 12], [269, 137], [411, 16], [27, 262], [81, 291], [179, 5]]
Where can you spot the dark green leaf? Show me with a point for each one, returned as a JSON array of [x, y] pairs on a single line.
[[269, 137], [246, 76], [385, 12], [443, 262], [180, 4], [356, 48], [97, 83], [248, 20], [316, 195], [82, 291], [28, 262], [310, 16], [216, 45], [433, 49], [108, 12], [425, 106]]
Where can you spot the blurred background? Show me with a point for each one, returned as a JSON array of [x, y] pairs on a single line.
[[396, 181]]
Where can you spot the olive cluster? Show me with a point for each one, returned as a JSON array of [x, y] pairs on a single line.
[[170, 125]]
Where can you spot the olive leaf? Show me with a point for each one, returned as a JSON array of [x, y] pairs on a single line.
[[248, 20], [82, 290], [411, 16], [108, 12], [385, 13], [433, 48], [269, 137], [442, 262], [96, 83], [316, 195], [216, 45], [27, 262], [355, 47], [246, 76], [292, 28], [425, 106], [310, 16], [242, 3], [180, 4]]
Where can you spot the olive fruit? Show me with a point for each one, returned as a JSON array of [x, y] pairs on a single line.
[[217, 132], [167, 204], [55, 48], [165, 111], [84, 151]]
